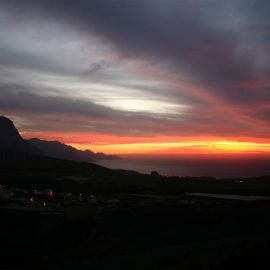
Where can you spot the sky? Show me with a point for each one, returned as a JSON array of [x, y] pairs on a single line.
[[138, 76]]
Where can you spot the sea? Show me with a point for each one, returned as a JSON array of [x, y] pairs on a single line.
[[219, 167]]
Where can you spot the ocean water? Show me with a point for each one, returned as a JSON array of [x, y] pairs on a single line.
[[220, 167]]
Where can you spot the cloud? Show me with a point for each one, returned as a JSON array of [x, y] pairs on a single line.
[[57, 113], [67, 114], [210, 56]]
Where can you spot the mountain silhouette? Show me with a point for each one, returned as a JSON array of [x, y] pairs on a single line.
[[11, 140], [60, 150]]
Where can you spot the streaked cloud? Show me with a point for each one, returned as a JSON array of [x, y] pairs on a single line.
[[137, 68]]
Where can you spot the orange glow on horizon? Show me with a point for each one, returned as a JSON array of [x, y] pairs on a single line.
[[162, 145], [186, 147]]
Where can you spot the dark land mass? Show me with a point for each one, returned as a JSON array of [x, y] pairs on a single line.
[[61, 214], [57, 149], [10, 139], [138, 221]]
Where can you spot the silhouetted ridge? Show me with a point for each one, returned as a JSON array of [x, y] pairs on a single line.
[[60, 150], [12, 144], [10, 138]]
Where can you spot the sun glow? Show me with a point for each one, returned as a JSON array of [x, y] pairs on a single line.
[[186, 147], [162, 145]]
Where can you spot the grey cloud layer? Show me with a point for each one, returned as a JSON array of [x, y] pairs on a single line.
[[45, 113], [73, 114], [217, 44], [227, 39]]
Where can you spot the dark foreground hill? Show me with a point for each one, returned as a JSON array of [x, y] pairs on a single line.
[[154, 226], [31, 171]]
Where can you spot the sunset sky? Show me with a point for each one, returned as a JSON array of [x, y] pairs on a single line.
[[138, 76]]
